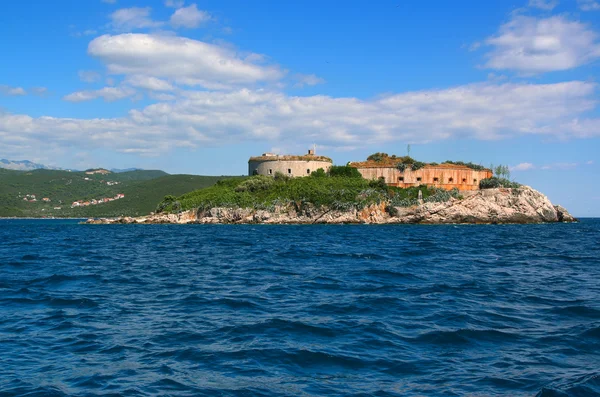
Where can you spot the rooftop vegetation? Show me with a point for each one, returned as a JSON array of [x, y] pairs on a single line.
[[403, 163]]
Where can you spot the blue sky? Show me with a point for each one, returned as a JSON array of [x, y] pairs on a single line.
[[199, 86]]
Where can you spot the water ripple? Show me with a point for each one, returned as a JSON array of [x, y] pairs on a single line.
[[299, 310]]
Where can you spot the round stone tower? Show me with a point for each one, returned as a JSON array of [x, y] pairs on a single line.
[[289, 165]]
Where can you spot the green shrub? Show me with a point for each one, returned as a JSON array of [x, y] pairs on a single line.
[[494, 183], [393, 211], [472, 166], [417, 165], [378, 184], [378, 157], [256, 183], [320, 173], [344, 171]]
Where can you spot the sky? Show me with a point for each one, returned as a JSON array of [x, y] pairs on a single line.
[[199, 86]]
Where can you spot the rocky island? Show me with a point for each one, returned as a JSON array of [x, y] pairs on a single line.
[[492, 206], [342, 195]]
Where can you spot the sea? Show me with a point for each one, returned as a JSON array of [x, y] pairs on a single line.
[[313, 310]]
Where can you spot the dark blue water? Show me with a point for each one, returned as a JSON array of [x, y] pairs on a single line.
[[153, 310]]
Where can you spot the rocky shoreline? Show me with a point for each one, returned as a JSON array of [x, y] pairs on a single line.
[[490, 206]]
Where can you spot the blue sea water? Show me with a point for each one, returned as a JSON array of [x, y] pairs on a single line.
[[153, 310]]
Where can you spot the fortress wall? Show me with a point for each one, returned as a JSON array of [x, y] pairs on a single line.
[[293, 168], [443, 177]]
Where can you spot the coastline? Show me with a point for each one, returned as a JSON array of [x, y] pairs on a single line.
[[522, 205]]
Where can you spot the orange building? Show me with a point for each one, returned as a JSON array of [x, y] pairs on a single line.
[[445, 176]]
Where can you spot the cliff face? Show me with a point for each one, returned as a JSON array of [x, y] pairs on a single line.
[[522, 205]]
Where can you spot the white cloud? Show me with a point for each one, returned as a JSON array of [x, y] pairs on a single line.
[[162, 96], [174, 3], [89, 76], [183, 60], [530, 45], [39, 91], [590, 162], [149, 83], [560, 166], [588, 5], [522, 167], [307, 79], [133, 18], [12, 91], [480, 111], [109, 94], [547, 5], [189, 17]]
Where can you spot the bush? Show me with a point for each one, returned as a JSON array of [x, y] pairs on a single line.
[[472, 166], [378, 157], [494, 183], [344, 171], [320, 173], [255, 184], [378, 184], [417, 165], [393, 211]]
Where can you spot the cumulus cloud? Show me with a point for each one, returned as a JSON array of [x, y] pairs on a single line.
[[174, 3], [530, 45], [189, 17], [199, 118], [183, 60], [133, 18], [547, 5], [109, 94], [89, 76], [12, 91], [307, 79], [149, 83], [588, 5], [522, 167]]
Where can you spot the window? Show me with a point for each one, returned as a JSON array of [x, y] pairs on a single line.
[[450, 180], [400, 179], [289, 170], [270, 171], [419, 179], [436, 179], [464, 180], [474, 180], [308, 171], [255, 172]]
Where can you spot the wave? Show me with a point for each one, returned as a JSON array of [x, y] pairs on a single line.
[[467, 336], [587, 386]]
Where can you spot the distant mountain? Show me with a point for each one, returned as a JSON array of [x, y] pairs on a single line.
[[119, 170], [26, 165]]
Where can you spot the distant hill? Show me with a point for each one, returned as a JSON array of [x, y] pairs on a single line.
[[25, 165], [117, 170], [22, 193]]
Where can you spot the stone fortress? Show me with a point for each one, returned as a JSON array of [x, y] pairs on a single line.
[[289, 165], [445, 176]]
